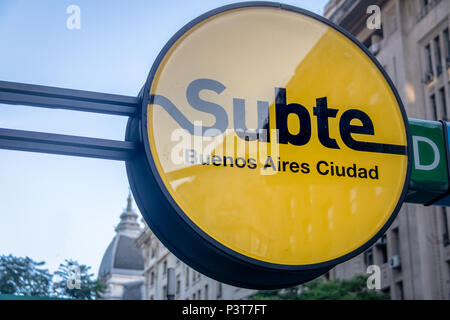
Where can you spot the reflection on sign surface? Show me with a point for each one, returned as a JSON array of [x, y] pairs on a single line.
[[277, 136]]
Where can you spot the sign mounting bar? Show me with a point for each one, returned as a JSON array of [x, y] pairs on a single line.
[[66, 145], [69, 99]]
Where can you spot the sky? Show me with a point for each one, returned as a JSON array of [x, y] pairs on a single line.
[[56, 207]]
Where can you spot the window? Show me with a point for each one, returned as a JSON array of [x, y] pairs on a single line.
[[386, 291], [164, 267], [178, 286], [368, 42], [199, 294], [384, 254], [437, 48], [445, 234], [152, 278], [382, 249], [368, 257], [429, 60], [447, 47], [427, 6], [153, 252], [448, 268], [193, 276], [433, 106], [399, 291], [165, 292], [206, 292], [219, 290], [193, 296], [187, 277], [443, 103], [395, 242], [373, 43]]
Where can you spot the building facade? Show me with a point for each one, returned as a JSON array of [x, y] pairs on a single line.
[[413, 46], [189, 284], [136, 263]]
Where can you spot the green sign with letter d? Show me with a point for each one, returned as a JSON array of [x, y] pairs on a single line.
[[429, 176]]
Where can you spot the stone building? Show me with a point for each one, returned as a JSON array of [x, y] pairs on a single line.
[[413, 46], [135, 266], [122, 265], [189, 284]]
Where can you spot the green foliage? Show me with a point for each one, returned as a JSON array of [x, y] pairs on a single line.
[[76, 282], [353, 289], [25, 277], [22, 276]]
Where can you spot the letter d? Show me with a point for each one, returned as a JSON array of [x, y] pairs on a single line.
[[436, 156]]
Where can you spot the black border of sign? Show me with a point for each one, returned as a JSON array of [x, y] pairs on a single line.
[[220, 248]]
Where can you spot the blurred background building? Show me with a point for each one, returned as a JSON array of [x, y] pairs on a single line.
[[122, 265], [136, 263], [189, 284], [413, 46]]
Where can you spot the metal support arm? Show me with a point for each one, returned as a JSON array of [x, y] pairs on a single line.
[[66, 145], [69, 99]]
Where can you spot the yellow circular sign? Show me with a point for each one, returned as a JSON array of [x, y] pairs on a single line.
[[277, 136]]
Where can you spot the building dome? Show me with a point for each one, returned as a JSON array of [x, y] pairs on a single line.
[[123, 257]]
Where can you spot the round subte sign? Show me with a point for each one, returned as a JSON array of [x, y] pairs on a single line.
[[275, 146]]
